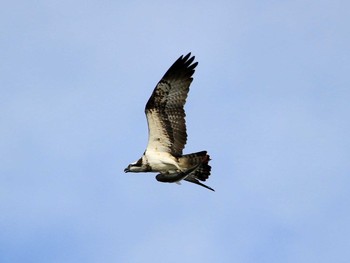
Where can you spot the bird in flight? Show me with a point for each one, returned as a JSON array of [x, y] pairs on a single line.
[[167, 134]]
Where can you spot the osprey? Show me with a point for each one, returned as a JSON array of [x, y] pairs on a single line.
[[167, 134]]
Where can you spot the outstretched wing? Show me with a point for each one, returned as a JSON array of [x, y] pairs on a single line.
[[165, 108]]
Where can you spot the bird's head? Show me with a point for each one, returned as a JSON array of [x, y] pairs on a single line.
[[137, 167]]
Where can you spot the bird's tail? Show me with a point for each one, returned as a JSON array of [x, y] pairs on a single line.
[[189, 160]]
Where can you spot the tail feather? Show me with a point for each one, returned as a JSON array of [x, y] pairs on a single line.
[[203, 171]]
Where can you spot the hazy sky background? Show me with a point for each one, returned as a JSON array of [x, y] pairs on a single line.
[[270, 102]]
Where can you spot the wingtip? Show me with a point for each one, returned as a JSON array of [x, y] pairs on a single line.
[[187, 57]]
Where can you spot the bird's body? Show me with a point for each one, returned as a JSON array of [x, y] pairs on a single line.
[[167, 130]]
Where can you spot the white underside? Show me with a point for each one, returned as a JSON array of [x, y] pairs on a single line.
[[162, 162]]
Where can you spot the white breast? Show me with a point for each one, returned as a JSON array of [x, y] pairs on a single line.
[[162, 161]]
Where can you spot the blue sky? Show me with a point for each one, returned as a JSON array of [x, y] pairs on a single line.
[[269, 102]]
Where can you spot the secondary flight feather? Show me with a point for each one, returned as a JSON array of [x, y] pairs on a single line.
[[167, 133]]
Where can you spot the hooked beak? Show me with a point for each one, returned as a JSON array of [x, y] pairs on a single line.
[[126, 169]]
